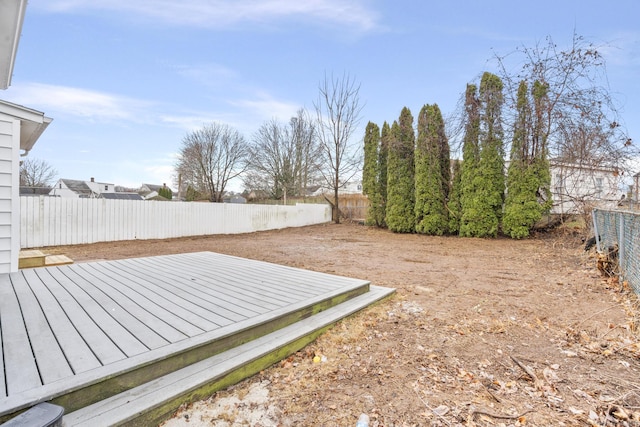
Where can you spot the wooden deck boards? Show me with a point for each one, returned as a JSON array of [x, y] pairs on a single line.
[[68, 327]]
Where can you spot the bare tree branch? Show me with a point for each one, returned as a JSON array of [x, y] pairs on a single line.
[[210, 157], [36, 173], [338, 112], [283, 157]]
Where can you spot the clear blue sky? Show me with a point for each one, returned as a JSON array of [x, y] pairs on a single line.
[[126, 80]]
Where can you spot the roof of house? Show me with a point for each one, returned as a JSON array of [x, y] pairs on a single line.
[[77, 186], [11, 19], [121, 196], [32, 122], [153, 187], [34, 191]]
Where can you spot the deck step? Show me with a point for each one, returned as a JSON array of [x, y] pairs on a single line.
[[156, 400], [52, 260], [31, 258]]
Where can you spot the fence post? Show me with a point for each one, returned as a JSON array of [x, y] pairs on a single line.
[[595, 229], [621, 251]]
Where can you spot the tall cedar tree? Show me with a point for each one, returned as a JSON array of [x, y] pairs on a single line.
[[488, 196], [430, 185], [491, 154], [540, 148], [528, 169], [454, 207], [470, 162], [383, 152], [400, 175], [370, 174]]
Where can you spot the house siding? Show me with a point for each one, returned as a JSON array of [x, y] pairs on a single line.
[[573, 188], [9, 206]]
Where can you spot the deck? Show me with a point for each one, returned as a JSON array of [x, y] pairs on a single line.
[[75, 335]]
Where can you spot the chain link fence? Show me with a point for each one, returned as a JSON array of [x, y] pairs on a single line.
[[618, 230]]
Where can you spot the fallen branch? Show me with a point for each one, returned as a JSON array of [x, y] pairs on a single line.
[[427, 405], [499, 416], [527, 370], [596, 313]]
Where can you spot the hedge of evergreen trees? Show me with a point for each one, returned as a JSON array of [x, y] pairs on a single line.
[[415, 187]]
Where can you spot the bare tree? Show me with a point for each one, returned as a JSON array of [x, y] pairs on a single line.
[[303, 133], [210, 157], [36, 173], [578, 125], [282, 158], [338, 112]]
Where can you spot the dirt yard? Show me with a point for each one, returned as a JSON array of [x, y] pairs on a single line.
[[480, 333]]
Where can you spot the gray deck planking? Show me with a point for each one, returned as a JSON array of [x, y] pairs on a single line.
[[23, 374], [227, 305], [271, 277], [106, 318], [137, 309], [119, 335], [99, 343], [233, 285], [159, 308], [79, 355], [160, 298], [52, 363], [285, 292], [143, 333]]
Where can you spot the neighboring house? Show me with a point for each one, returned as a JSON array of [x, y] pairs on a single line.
[[121, 196], [151, 191], [351, 187], [234, 198], [634, 188], [81, 189], [20, 128], [35, 191], [575, 186]]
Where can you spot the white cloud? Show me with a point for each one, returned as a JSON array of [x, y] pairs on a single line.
[[265, 107], [70, 101], [90, 106], [354, 14], [623, 49]]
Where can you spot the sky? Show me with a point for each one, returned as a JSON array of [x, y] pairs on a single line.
[[126, 80]]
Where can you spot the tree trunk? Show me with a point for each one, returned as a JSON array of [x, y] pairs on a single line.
[[336, 208]]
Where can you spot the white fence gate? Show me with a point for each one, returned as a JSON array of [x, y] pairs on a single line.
[[57, 221]]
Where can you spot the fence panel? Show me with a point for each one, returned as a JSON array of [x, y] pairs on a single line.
[[622, 229], [57, 221]]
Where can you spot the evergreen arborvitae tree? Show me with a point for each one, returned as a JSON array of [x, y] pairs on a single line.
[[470, 162], [540, 147], [383, 152], [165, 192], [430, 184], [400, 175], [491, 166], [483, 212], [528, 174], [371, 175], [455, 193]]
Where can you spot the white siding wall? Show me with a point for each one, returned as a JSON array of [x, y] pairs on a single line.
[[56, 221], [572, 187], [9, 187]]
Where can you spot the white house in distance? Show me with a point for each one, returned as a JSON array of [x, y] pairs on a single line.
[[91, 189], [20, 128], [575, 186], [150, 191], [81, 189]]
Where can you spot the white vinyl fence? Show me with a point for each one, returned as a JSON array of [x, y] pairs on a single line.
[[56, 221]]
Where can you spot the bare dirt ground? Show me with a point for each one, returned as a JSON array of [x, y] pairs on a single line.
[[480, 333]]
